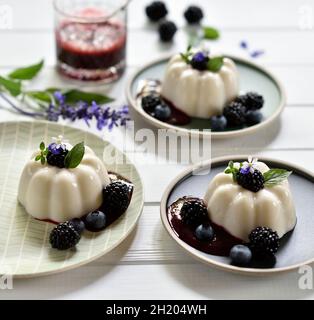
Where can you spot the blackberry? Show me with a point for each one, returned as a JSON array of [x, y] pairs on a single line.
[[57, 160], [235, 114], [264, 240], [156, 11], [251, 101], [193, 14], [193, 212], [200, 61], [150, 102], [64, 236], [116, 197], [167, 30], [251, 181]]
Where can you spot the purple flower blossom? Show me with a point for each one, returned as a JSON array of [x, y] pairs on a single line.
[[59, 97], [56, 148], [104, 115], [243, 44], [249, 166], [257, 53], [200, 57]]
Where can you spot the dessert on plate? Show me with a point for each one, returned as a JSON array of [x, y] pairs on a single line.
[[51, 191], [246, 211], [197, 89], [198, 84], [240, 201], [70, 186]]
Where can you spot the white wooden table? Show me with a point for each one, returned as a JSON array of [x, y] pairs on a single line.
[[149, 264]]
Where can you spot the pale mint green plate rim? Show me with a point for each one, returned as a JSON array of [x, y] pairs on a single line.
[[207, 134]]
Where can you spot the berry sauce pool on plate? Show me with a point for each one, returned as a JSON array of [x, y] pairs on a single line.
[[88, 51], [219, 246]]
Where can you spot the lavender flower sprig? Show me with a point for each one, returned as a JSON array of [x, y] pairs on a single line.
[[103, 114]]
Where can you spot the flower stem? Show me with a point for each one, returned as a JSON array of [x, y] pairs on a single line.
[[18, 109]]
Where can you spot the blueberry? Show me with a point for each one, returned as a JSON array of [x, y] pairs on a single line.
[[95, 220], [204, 233], [162, 112], [253, 117], [218, 123], [240, 255], [78, 225]]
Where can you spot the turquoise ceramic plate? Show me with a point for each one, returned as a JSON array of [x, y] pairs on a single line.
[[24, 247], [297, 249], [252, 78]]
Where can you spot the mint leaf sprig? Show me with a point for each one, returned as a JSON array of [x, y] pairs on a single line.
[[272, 177], [42, 156], [187, 56], [210, 33], [275, 176], [233, 170], [74, 156]]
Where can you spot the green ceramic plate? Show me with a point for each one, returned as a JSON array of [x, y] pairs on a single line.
[[24, 246], [252, 78]]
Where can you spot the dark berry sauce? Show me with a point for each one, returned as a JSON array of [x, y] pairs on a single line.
[[178, 117], [219, 246], [90, 47], [110, 218], [152, 86]]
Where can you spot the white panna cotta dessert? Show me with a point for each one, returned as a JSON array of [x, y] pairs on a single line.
[[241, 204], [200, 85], [49, 190]]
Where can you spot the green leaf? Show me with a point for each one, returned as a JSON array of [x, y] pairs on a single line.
[[26, 73], [211, 33], [40, 95], [42, 160], [232, 169], [74, 96], [53, 90], [275, 176], [14, 87], [38, 157], [75, 156], [42, 146], [215, 64]]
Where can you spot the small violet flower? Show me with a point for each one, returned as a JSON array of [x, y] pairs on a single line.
[[249, 166], [200, 57], [58, 145], [59, 97]]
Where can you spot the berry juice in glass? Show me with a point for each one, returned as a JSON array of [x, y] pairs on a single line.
[[91, 39]]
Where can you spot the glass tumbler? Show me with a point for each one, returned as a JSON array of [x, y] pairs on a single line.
[[91, 38]]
